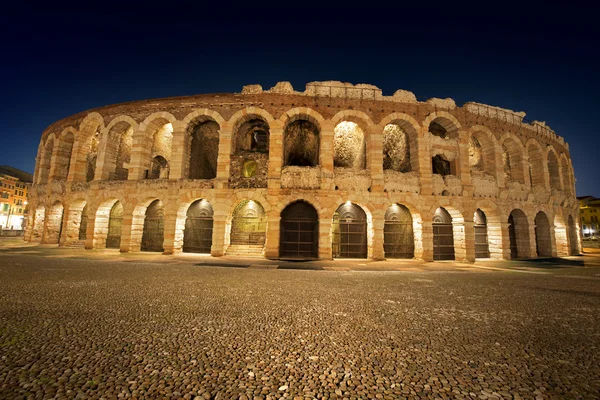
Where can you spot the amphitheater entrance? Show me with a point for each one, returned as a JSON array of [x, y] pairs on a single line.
[[573, 237], [543, 241], [443, 236], [197, 236], [398, 237], [349, 239], [248, 229], [115, 220], [482, 248], [154, 227], [299, 232], [518, 234]]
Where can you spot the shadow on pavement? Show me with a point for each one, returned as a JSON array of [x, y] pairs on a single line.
[[554, 262]]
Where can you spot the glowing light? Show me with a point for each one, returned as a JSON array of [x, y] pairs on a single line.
[[348, 203]]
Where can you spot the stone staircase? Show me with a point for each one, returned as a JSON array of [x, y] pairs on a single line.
[[245, 250]]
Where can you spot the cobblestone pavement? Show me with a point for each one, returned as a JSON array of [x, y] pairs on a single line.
[[177, 328]]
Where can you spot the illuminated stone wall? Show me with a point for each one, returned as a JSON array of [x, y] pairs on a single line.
[[361, 146]]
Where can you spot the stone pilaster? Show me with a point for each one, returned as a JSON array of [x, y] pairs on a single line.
[[378, 252], [218, 237], [140, 154], [325, 225], [224, 158], [326, 158], [469, 241], [170, 233], [180, 152], [272, 243], [275, 155], [427, 240], [375, 157], [425, 172]]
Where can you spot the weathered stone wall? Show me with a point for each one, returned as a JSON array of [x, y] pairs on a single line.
[[482, 181]]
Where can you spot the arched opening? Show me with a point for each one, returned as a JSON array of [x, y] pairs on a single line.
[[63, 156], [441, 166], [159, 168], [248, 225], [553, 171], [573, 237], [396, 148], [118, 152], [92, 156], [349, 146], [250, 153], [512, 161], [44, 169], [482, 248], [476, 159], [83, 223], [301, 144], [154, 227], [115, 221], [349, 236], [543, 241], [197, 236], [299, 231], [204, 150], [160, 154], [518, 234], [37, 229], [443, 236], [536, 167], [398, 236], [54, 223]]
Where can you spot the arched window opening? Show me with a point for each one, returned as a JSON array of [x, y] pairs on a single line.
[[443, 236], [248, 225], [566, 175], [249, 149], [83, 222], [197, 236], [115, 220], [92, 156], [398, 236], [506, 164], [159, 169], [543, 242], [396, 151], [301, 144], [124, 144], [518, 234], [204, 151], [441, 166], [160, 155], [299, 231], [553, 171], [435, 128], [63, 156], [476, 159], [153, 233], [252, 135], [482, 248], [536, 167], [349, 236], [44, 169], [349, 146]]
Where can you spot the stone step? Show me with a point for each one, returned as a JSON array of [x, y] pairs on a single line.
[[245, 250]]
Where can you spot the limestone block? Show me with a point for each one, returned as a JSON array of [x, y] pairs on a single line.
[[401, 181], [301, 177], [402, 96], [484, 184], [252, 89], [446, 103], [282, 88], [451, 184], [503, 114], [352, 179]]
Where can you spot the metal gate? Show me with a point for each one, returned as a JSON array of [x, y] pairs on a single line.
[[153, 234], [83, 223], [482, 248], [398, 237], [299, 231], [115, 219], [349, 232], [197, 236], [249, 224], [443, 238]]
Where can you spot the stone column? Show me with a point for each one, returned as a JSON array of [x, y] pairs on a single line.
[[180, 152], [275, 156], [499, 165], [170, 232], [469, 241], [77, 165], [464, 170], [326, 161], [375, 157], [532, 242], [131, 232], [553, 248], [218, 236], [425, 173], [505, 240], [325, 252], [91, 235], [378, 253], [427, 237], [272, 243], [53, 159], [140, 154], [223, 160]]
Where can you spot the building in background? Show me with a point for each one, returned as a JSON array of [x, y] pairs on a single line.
[[14, 189], [589, 212]]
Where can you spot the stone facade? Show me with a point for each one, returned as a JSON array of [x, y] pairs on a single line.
[[463, 159]]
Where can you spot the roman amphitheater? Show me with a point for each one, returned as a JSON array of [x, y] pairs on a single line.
[[334, 171]]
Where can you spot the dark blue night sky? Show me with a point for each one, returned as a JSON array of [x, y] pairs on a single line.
[[539, 59]]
